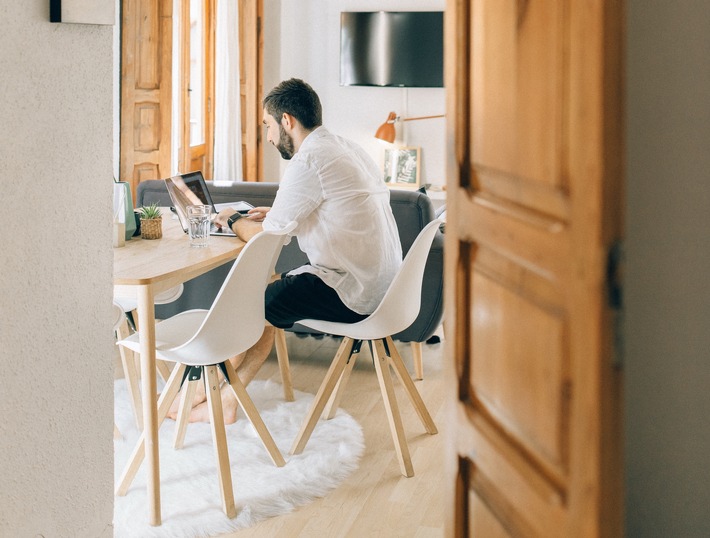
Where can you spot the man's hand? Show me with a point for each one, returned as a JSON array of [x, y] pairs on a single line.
[[248, 226], [257, 214], [220, 219]]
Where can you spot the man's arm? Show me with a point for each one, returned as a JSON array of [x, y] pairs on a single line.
[[245, 227]]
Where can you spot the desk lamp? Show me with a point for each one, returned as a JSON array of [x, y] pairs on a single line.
[[386, 131]]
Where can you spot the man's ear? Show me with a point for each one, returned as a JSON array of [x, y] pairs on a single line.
[[288, 121]]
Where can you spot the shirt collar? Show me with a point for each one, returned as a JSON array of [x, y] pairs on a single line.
[[314, 135]]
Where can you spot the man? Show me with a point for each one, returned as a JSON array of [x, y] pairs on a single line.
[[335, 193]]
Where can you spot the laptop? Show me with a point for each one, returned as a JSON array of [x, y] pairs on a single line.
[[191, 189]]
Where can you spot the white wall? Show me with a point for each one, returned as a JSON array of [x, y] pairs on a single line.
[[56, 349], [668, 269], [309, 48]]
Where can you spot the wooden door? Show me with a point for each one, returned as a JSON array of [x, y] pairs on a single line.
[[197, 86], [146, 90], [251, 43], [534, 203]]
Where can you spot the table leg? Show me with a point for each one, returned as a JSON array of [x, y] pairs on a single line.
[[146, 314]]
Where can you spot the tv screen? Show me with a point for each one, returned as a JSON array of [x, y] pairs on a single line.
[[392, 48]]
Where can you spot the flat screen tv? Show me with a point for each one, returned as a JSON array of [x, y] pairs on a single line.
[[392, 48]]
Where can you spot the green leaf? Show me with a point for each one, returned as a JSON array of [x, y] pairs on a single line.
[[150, 212]]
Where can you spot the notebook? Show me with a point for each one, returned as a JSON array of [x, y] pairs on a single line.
[[191, 189]]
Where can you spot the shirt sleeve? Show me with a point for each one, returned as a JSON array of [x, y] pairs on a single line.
[[300, 193]]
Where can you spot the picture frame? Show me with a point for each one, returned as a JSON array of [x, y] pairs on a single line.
[[402, 167]]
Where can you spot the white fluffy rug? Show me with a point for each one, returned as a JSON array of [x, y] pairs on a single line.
[[190, 498]]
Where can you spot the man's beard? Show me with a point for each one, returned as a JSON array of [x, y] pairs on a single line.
[[285, 145]]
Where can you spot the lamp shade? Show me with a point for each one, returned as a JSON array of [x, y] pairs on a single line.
[[386, 130]]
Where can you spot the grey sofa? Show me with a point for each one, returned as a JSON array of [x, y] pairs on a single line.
[[412, 211]]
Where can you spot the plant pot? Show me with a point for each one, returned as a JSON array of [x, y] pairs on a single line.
[[152, 228]]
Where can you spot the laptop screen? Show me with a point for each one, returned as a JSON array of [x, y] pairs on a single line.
[[185, 190], [191, 189]]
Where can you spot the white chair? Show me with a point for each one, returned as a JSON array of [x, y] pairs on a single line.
[[119, 318], [128, 306], [202, 341], [398, 309]]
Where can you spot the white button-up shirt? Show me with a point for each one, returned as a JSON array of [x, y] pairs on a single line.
[[335, 192]]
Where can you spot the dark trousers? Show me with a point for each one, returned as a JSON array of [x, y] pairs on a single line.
[[305, 296]]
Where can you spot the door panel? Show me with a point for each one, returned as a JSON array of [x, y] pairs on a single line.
[[250, 89], [533, 207], [521, 392], [484, 521], [197, 86], [517, 86], [146, 49]]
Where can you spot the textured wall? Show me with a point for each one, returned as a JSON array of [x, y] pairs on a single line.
[[56, 349], [668, 268]]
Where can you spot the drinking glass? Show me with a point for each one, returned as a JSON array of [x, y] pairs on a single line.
[[199, 218]]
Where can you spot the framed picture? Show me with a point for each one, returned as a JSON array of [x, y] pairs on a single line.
[[402, 167]]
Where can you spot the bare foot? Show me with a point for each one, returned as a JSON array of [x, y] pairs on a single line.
[[201, 412], [199, 398], [247, 365]]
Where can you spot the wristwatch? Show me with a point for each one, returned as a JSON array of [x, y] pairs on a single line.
[[234, 218]]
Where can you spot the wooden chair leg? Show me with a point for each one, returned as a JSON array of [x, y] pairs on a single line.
[[246, 403], [161, 366], [321, 398], [282, 356], [187, 395], [410, 389], [163, 369], [334, 401], [219, 438], [164, 402], [418, 362], [130, 373], [393, 417]]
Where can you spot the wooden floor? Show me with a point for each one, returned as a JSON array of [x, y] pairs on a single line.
[[376, 500]]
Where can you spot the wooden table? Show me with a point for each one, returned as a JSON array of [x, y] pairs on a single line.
[[142, 269]]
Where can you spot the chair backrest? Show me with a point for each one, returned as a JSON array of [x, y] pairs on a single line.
[[168, 296], [235, 322], [118, 316], [400, 305]]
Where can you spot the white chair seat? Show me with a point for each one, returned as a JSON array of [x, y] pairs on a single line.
[[369, 328], [174, 342], [171, 333]]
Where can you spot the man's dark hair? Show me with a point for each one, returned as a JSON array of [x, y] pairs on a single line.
[[298, 99]]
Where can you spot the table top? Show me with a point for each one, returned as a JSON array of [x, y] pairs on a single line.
[[170, 259]]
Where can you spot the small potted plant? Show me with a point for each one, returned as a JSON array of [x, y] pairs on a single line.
[[151, 222]]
